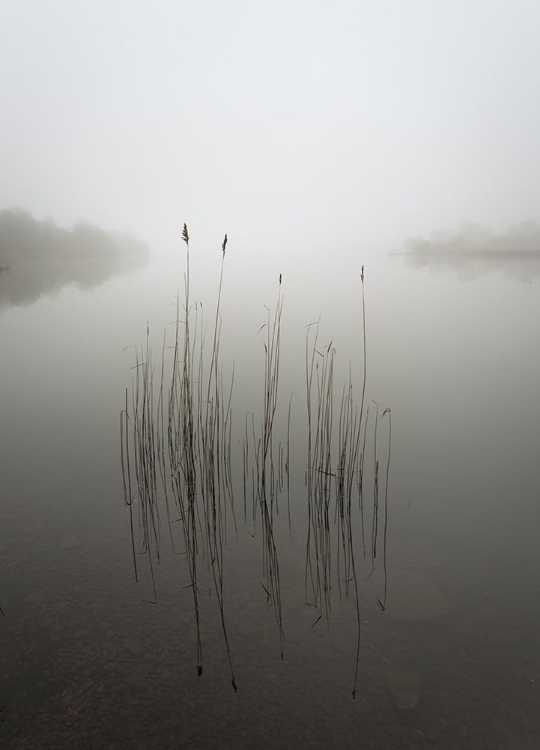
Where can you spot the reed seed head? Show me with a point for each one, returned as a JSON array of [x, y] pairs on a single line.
[[224, 245], [185, 235]]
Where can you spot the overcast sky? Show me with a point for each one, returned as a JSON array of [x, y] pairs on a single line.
[[348, 123]]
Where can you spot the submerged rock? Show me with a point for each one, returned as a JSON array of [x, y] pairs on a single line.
[[405, 687], [134, 646], [409, 596]]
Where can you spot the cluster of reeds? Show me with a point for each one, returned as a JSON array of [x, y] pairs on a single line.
[[177, 465], [269, 469], [176, 444], [336, 448]]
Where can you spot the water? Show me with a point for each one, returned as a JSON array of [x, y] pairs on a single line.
[[87, 661]]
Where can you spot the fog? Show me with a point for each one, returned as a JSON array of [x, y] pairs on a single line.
[[295, 127], [375, 169]]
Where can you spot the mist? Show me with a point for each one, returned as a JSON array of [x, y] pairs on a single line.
[[293, 127], [269, 369]]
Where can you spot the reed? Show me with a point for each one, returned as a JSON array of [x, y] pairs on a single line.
[[266, 489], [336, 452]]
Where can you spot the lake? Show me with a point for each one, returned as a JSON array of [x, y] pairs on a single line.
[[428, 610]]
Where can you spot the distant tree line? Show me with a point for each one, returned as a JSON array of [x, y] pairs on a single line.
[[472, 240], [24, 238]]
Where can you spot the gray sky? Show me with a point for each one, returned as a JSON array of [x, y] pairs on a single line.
[[298, 125]]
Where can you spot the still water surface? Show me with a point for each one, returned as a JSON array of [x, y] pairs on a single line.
[[87, 661]]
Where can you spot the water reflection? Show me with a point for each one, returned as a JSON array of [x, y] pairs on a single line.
[[473, 251], [38, 258], [85, 657]]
